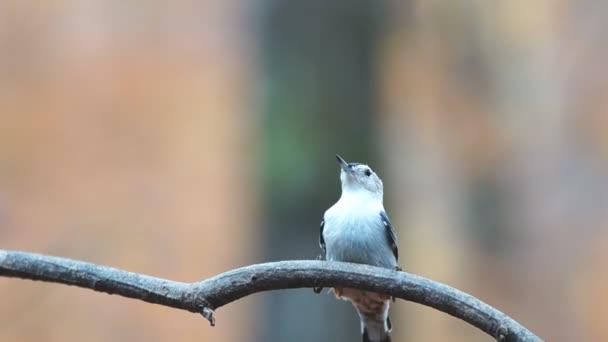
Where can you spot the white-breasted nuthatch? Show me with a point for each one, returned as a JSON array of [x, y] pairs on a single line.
[[356, 229]]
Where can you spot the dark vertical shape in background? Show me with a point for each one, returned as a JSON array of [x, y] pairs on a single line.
[[317, 61]]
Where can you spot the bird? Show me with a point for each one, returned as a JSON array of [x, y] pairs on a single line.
[[357, 229]]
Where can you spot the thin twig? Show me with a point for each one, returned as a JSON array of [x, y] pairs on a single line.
[[206, 296]]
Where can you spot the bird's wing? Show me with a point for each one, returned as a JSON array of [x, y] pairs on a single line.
[[323, 255], [321, 238], [390, 234]]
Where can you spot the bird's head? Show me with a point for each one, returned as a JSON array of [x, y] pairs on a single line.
[[357, 177]]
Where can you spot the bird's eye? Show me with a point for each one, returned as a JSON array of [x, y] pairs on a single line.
[[368, 172]]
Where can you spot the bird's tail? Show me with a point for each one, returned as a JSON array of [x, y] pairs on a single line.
[[373, 312], [375, 331]]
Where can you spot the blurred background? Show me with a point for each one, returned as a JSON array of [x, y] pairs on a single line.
[[183, 139]]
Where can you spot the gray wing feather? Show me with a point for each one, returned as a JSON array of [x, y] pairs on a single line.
[[323, 256], [321, 238], [390, 234]]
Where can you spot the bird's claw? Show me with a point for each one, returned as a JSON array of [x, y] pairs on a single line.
[[398, 269], [318, 289]]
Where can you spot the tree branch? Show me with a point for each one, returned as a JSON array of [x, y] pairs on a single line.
[[206, 296]]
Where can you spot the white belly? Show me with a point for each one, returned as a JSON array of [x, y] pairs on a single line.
[[359, 238]]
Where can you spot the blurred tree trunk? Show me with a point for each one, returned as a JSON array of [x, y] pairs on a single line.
[[318, 73]]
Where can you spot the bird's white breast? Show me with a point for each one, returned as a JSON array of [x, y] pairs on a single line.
[[354, 232]]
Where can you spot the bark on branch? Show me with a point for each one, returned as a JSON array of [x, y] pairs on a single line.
[[206, 296]]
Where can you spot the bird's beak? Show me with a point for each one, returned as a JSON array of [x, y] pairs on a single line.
[[343, 164]]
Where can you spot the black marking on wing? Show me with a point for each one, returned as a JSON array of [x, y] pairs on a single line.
[[323, 255], [390, 234], [321, 239]]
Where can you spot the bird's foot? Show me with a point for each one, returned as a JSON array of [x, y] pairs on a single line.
[[318, 289], [338, 292], [398, 269]]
